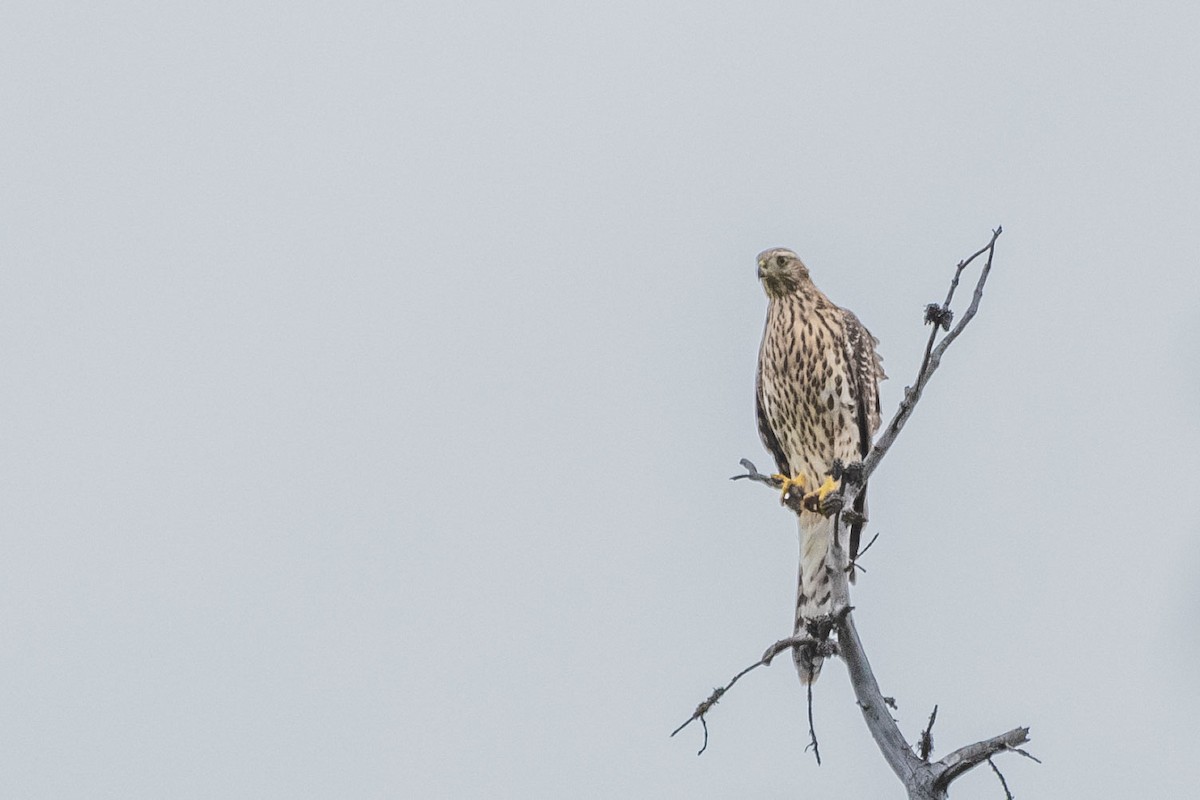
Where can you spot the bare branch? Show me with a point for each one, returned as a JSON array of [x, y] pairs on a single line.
[[923, 781], [719, 692], [1007, 794], [965, 758], [753, 474], [854, 567], [925, 743], [933, 357], [867, 547], [812, 730], [871, 701], [1019, 751], [941, 316]]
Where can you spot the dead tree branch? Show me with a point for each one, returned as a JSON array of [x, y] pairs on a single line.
[[932, 359], [1007, 794], [922, 780], [966, 758], [719, 692], [925, 743]]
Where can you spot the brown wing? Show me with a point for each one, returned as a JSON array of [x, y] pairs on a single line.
[[867, 370]]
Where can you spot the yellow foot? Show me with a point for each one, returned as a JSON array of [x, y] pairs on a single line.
[[815, 499], [786, 484], [827, 488]]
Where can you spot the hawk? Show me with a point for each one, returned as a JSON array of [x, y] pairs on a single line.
[[817, 393]]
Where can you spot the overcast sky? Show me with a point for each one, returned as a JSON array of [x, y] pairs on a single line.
[[371, 376]]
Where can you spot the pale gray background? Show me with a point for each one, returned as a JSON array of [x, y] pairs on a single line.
[[371, 376]]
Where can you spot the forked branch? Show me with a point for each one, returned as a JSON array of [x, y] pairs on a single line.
[[933, 354], [922, 780], [719, 692]]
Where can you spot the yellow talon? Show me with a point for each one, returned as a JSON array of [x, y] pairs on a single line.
[[815, 500], [786, 484], [827, 488]]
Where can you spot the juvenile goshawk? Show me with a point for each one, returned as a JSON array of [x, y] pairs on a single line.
[[818, 401]]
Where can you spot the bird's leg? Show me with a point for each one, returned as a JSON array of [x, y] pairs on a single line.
[[786, 484]]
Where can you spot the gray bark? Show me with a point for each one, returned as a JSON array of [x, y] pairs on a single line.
[[923, 780]]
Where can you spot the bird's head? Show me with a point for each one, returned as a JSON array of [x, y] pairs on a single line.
[[781, 271]]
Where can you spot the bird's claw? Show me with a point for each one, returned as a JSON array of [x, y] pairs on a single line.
[[826, 499], [827, 507], [786, 485], [853, 517]]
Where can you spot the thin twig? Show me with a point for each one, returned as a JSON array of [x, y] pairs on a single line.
[[719, 692], [812, 731], [925, 746], [753, 474], [931, 361], [1019, 751], [1007, 794], [941, 316], [868, 547], [854, 567]]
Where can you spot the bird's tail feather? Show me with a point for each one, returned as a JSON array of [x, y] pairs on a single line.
[[813, 598]]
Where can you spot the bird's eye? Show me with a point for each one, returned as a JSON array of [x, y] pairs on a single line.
[[780, 260]]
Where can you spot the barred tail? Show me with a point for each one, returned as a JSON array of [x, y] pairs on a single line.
[[813, 589]]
